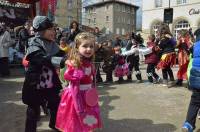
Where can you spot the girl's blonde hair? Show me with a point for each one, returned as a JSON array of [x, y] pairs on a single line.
[[74, 55]]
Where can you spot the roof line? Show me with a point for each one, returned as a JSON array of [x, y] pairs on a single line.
[[110, 1]]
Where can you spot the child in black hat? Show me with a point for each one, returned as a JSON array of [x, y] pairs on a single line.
[[41, 80]]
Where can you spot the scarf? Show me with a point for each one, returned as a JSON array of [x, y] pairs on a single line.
[[50, 47]]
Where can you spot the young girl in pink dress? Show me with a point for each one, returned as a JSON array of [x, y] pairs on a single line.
[[79, 110]]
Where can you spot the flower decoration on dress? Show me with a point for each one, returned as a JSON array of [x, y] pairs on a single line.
[[88, 71], [90, 120]]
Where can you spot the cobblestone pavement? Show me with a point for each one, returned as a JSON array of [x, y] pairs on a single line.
[[127, 107]]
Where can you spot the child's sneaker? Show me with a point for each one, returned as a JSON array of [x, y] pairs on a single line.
[[108, 82], [187, 127], [139, 81], [157, 81], [165, 82]]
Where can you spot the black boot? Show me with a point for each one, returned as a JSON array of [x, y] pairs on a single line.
[[129, 77], [98, 76], [109, 78], [179, 82], [120, 80], [52, 121], [31, 119], [150, 78], [139, 77]]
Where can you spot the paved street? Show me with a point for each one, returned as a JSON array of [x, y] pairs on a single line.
[[126, 107]]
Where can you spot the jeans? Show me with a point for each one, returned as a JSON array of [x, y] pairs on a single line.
[[193, 108]]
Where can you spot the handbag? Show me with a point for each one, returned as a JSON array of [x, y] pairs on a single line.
[[91, 95]]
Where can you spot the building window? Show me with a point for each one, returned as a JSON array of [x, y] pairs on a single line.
[[107, 31], [181, 2], [118, 20], [183, 24], [69, 4], [70, 18], [118, 7], [123, 31], [94, 10], [128, 9], [133, 22], [106, 7], [117, 31], [90, 10], [128, 21], [158, 3], [107, 18], [123, 20], [89, 21], [123, 8], [132, 10]]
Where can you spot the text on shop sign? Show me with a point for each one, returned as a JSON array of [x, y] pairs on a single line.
[[194, 11]]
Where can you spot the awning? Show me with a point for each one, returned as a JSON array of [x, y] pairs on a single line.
[[24, 1]]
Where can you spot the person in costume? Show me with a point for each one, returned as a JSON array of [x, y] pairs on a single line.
[[168, 56], [64, 45], [184, 43], [193, 79], [132, 54], [151, 59], [79, 110], [41, 80], [118, 62]]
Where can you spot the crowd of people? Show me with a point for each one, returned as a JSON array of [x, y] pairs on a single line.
[[46, 50]]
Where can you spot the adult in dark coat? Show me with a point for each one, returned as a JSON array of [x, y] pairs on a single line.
[[24, 35], [41, 80], [74, 30]]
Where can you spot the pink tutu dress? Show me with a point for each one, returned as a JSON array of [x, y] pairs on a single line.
[[74, 114]]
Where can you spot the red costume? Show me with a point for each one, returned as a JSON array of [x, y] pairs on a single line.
[[183, 56]]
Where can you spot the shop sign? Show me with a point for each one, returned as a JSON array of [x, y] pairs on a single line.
[[194, 11]]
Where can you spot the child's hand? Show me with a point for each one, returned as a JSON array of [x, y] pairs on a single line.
[[78, 74], [61, 92]]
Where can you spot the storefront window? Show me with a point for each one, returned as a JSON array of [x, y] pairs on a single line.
[[181, 25], [181, 2], [69, 4], [70, 18], [158, 3]]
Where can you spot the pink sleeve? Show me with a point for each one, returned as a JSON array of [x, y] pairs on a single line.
[[74, 76], [68, 75]]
